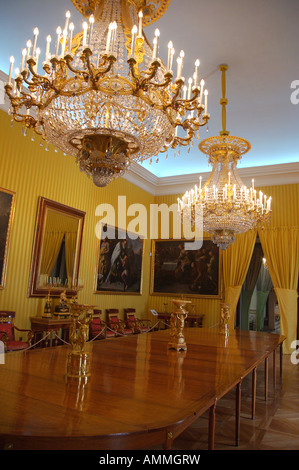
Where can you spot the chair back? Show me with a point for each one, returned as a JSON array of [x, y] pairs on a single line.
[[7, 323], [96, 315], [130, 314], [112, 314]]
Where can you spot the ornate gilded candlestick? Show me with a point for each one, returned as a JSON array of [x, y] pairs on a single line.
[[47, 309], [78, 364], [177, 321], [224, 318]]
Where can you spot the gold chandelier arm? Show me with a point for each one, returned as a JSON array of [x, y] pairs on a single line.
[[94, 74], [223, 68], [101, 72], [68, 60], [151, 73], [187, 123], [177, 89], [18, 102], [31, 63], [192, 100], [143, 79], [168, 79], [25, 75], [85, 59]]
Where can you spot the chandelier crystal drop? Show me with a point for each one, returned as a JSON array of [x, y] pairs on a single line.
[[104, 95], [224, 205]]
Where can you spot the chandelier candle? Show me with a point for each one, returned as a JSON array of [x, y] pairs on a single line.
[[35, 32], [105, 96]]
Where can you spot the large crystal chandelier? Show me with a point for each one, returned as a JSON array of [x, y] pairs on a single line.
[[224, 205], [104, 95]]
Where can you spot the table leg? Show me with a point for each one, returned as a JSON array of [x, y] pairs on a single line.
[[56, 337], [274, 368], [266, 377], [47, 342], [253, 393], [281, 360], [212, 427], [238, 412], [169, 440]]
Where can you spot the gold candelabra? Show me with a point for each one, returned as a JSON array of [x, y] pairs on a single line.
[[224, 317], [78, 360], [177, 321]]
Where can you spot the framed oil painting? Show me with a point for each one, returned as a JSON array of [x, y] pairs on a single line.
[[7, 207], [179, 271], [119, 262]]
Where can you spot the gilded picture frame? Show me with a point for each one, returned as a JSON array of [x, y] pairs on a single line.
[[177, 271], [7, 210], [119, 266], [57, 214]]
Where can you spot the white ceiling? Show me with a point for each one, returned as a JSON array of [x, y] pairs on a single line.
[[258, 39]]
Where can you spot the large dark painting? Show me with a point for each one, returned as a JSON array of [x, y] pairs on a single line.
[[176, 270], [119, 262], [6, 217]]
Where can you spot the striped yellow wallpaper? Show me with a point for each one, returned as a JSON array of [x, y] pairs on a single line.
[[285, 204]]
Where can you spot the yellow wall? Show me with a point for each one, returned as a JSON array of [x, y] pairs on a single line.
[[30, 171], [285, 204]]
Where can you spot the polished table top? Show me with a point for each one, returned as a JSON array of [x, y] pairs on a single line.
[[138, 388]]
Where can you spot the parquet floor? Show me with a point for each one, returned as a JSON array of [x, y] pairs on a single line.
[[275, 427]]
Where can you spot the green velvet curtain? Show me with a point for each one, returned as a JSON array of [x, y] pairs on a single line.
[[263, 285]]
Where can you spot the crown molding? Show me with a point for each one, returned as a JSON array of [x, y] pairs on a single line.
[[142, 178], [4, 105], [269, 175]]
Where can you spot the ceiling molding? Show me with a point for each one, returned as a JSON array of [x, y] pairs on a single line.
[[269, 175], [142, 178]]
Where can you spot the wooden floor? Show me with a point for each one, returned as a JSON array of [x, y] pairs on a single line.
[[276, 426]]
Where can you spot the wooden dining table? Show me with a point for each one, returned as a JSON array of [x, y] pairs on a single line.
[[139, 394]]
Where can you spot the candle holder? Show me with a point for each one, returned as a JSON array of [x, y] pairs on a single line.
[[78, 360], [48, 307], [177, 321], [224, 318]]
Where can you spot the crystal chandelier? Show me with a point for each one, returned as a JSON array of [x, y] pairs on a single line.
[[224, 205], [104, 95]]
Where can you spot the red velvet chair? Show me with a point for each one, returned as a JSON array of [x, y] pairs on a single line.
[[7, 333], [116, 324], [137, 325], [98, 328]]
